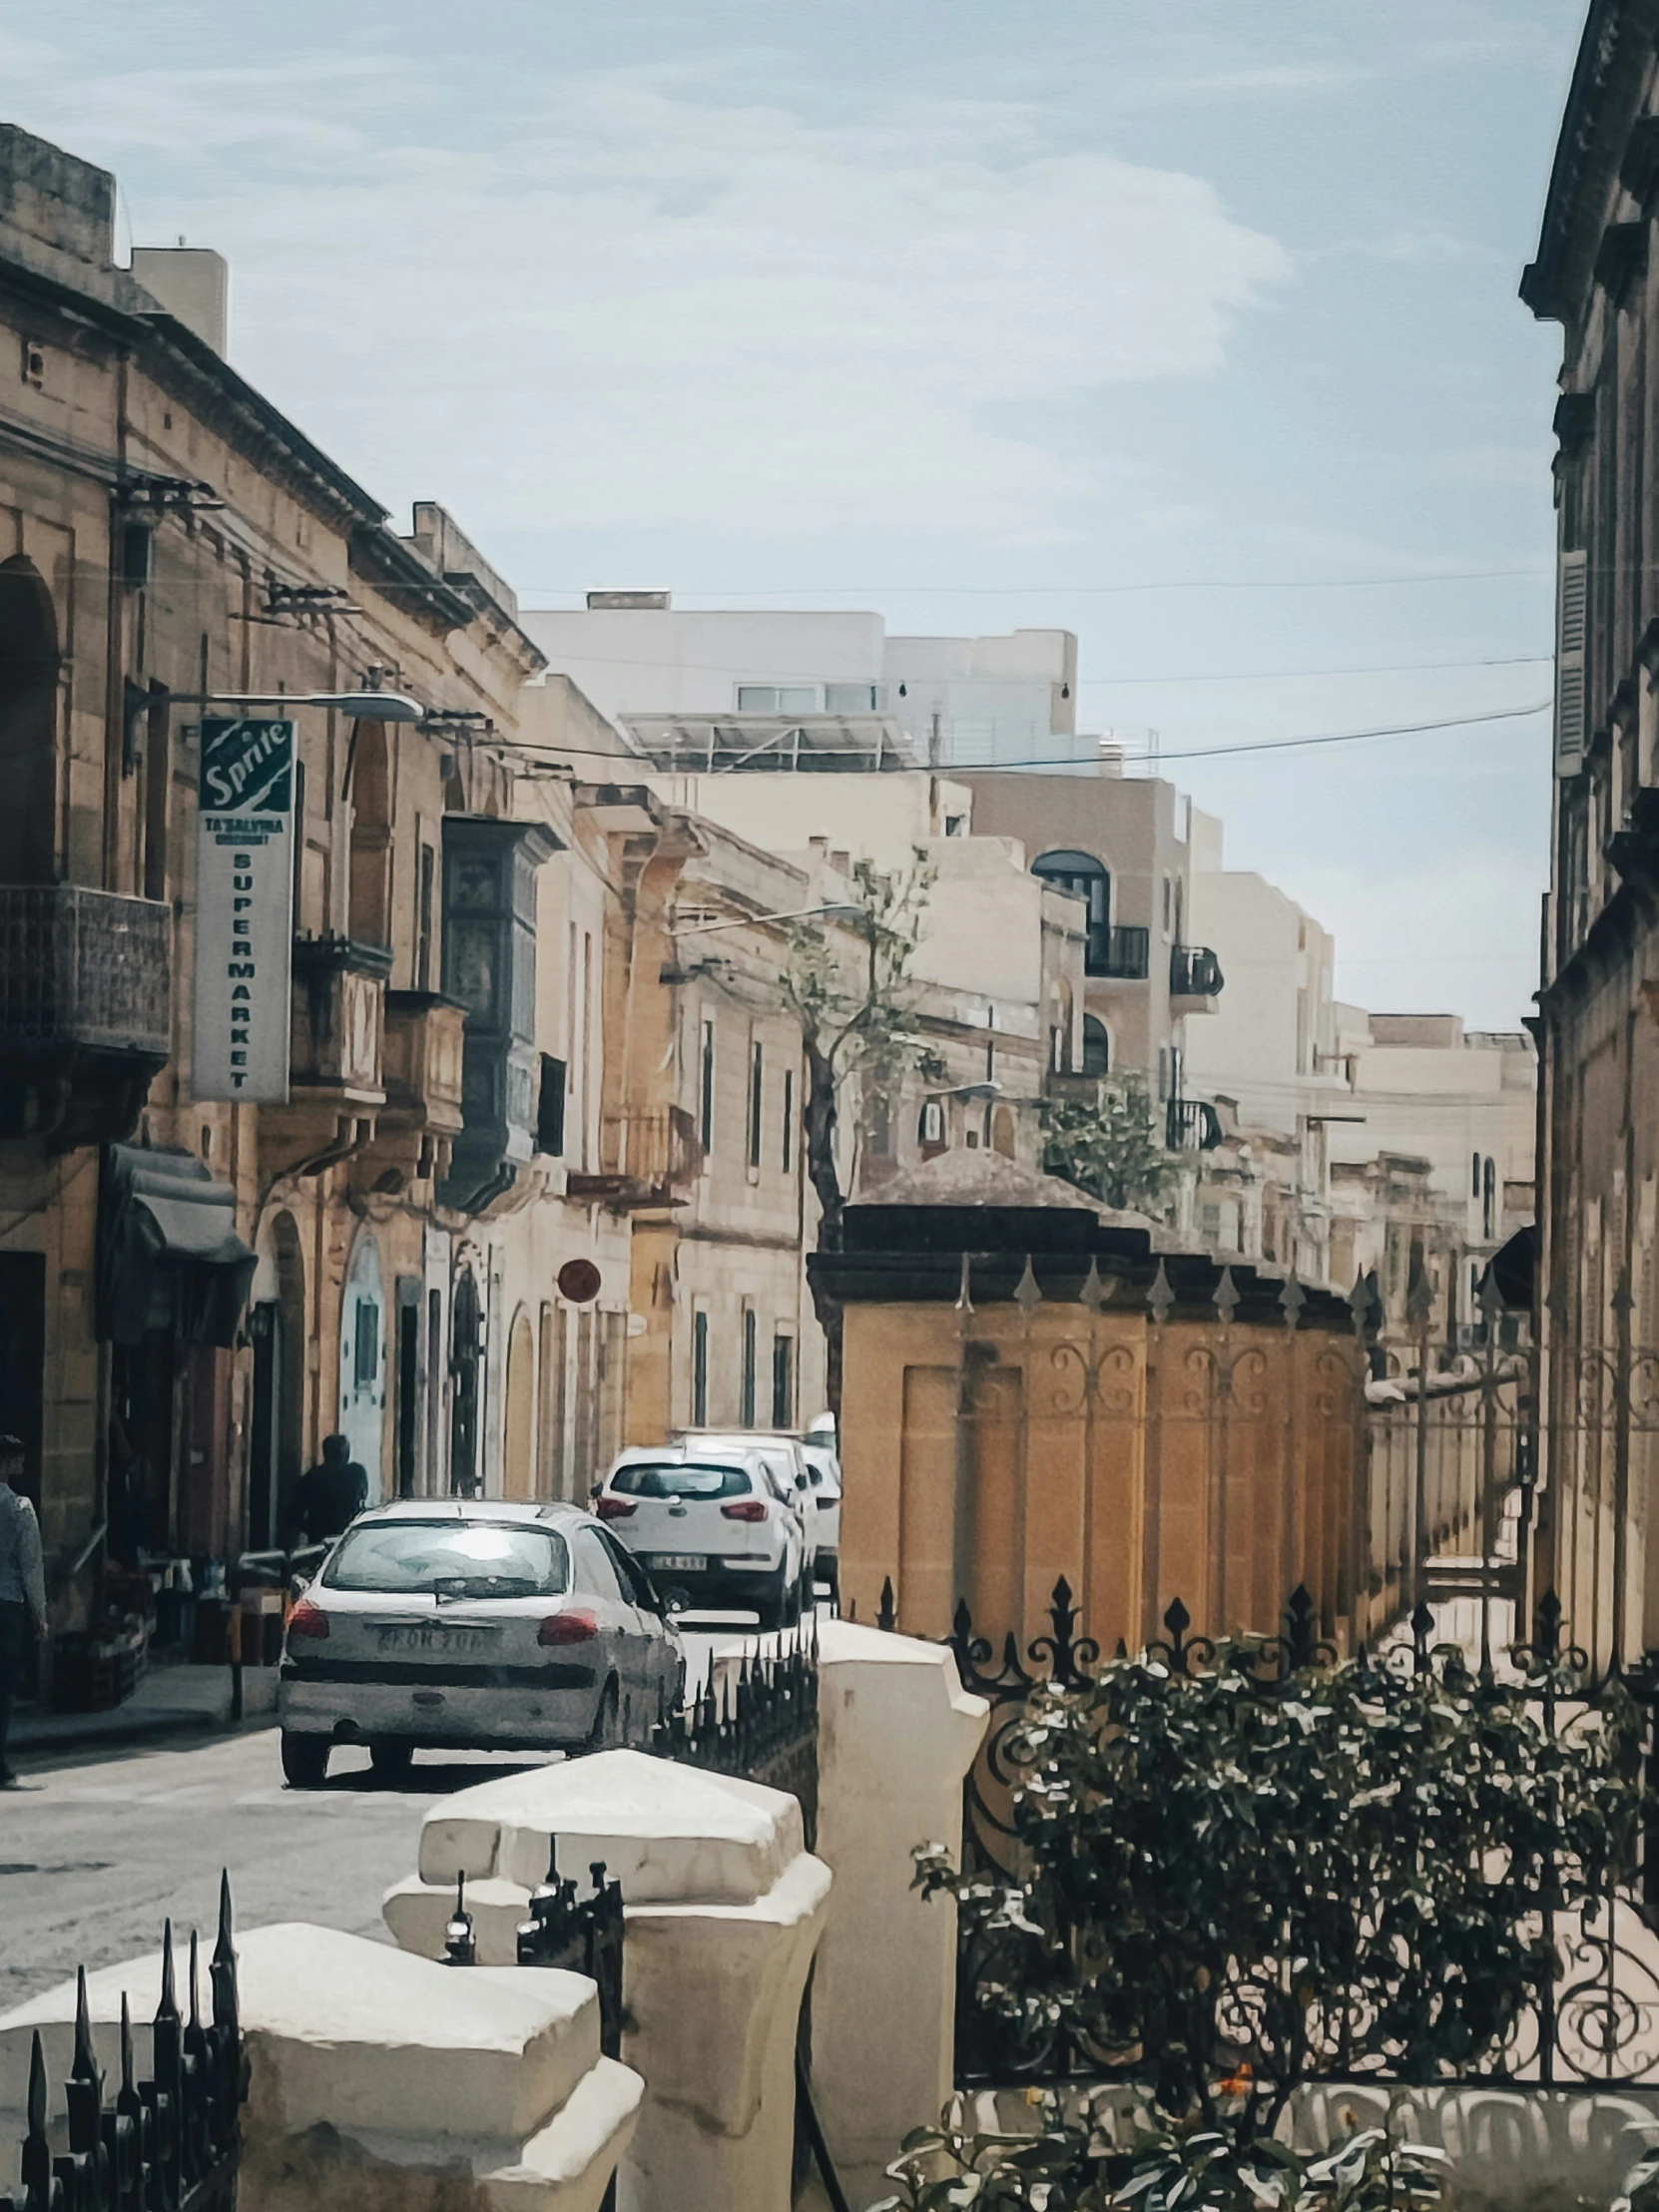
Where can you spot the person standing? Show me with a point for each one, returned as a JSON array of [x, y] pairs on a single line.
[[22, 1590], [330, 1494]]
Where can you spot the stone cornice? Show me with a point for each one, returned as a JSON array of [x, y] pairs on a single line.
[[1607, 83]]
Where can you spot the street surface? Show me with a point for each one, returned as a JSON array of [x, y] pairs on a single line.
[[103, 1845]]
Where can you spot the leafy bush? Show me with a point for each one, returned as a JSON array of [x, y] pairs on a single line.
[[1075, 2162], [1341, 1872]]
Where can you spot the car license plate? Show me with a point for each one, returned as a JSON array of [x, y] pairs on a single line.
[[676, 1562], [441, 1643]]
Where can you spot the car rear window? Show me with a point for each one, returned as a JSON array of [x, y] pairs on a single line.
[[675, 1481], [451, 1558]]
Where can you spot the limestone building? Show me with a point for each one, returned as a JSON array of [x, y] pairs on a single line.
[[193, 1291], [1595, 276]]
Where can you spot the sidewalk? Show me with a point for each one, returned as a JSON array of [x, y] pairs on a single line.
[[170, 1700]]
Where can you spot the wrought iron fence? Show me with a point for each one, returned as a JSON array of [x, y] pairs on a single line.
[[759, 1721], [1591, 2018], [168, 2142]]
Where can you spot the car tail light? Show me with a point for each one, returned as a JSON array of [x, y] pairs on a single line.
[[567, 1628], [746, 1509], [615, 1509], [307, 1619]]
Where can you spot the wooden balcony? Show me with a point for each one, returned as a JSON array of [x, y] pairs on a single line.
[[84, 1010], [335, 1087], [422, 1068], [649, 1157]]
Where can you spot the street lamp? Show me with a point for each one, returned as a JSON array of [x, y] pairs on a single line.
[[836, 911], [367, 706]]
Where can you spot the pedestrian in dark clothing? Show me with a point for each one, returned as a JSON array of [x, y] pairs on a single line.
[[330, 1494], [22, 1590]]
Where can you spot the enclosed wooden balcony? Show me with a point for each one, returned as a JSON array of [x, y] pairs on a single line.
[[84, 1010], [335, 1087], [422, 1067]]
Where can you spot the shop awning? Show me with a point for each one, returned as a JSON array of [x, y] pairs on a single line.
[[1514, 1269], [168, 1256]]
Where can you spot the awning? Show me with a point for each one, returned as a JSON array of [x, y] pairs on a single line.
[[168, 1256], [1514, 1269]]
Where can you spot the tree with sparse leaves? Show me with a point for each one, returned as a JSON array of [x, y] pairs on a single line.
[[1111, 1145], [852, 992]]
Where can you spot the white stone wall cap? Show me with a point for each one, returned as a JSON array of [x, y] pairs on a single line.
[[666, 1832], [356, 2033], [564, 2167], [418, 1912]]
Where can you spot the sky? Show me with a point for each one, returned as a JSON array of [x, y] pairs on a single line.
[[1193, 329]]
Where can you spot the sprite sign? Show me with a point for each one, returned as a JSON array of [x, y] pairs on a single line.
[[243, 910]]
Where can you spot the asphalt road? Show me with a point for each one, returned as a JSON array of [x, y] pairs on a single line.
[[102, 1847]]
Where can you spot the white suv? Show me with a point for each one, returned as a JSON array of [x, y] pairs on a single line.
[[710, 1526], [791, 1479]]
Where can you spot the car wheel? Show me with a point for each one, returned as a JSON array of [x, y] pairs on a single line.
[[391, 1758], [304, 1761], [774, 1608], [606, 1734]]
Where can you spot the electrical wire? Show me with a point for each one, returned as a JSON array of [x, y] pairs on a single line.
[[644, 766], [1066, 591]]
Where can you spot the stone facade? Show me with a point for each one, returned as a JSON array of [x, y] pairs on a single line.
[[1598, 1025]]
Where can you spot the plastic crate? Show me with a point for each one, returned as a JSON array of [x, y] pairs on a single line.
[[94, 1674]]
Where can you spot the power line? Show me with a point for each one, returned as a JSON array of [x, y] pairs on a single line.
[[642, 764], [1280, 675], [1066, 591]]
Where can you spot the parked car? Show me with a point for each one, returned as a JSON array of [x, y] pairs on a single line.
[[712, 1525], [825, 1471], [473, 1624], [790, 1474]]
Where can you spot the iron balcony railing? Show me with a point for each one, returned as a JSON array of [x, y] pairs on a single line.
[[1194, 971], [1122, 952], [1191, 1125], [84, 967]]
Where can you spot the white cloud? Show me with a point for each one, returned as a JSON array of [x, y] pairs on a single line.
[[645, 309]]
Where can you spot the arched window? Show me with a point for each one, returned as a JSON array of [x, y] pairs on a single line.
[[1086, 878], [28, 725], [1097, 1047]]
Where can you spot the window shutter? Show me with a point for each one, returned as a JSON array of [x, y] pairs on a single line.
[[1571, 610]]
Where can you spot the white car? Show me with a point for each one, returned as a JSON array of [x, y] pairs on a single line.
[[475, 1624], [825, 1471], [711, 1525], [791, 1475]]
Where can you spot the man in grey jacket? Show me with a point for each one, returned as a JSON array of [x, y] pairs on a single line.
[[21, 1588]]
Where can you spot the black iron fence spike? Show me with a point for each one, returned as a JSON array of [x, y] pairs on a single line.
[[84, 2066], [167, 2009]]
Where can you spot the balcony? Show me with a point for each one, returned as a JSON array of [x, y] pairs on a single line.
[[420, 1068], [1195, 980], [651, 1158], [1191, 1125], [334, 1056], [84, 1010], [1121, 953]]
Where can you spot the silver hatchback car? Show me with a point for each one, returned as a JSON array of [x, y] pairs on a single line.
[[473, 1624]]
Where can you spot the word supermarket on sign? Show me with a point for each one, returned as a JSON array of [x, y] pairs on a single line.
[[243, 910]]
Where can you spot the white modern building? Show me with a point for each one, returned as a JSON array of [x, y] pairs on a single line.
[[961, 702]]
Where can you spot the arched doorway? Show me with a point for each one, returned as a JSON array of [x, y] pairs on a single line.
[[1097, 1047], [277, 1429], [363, 1361], [370, 886], [518, 1471], [1086, 878], [28, 725]]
